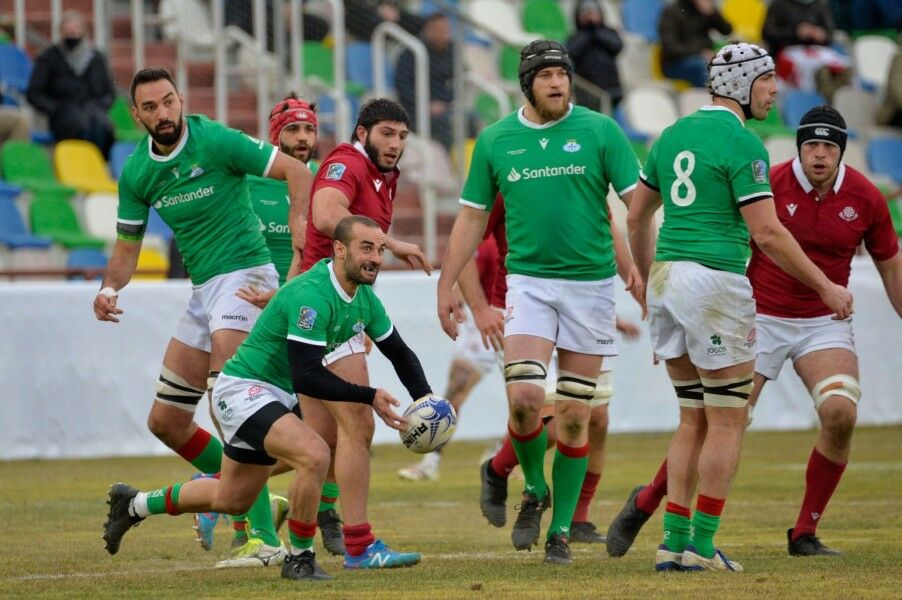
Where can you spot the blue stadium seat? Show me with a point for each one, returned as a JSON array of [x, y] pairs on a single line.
[[885, 157], [86, 258], [118, 153], [359, 64], [15, 67], [631, 133], [12, 229], [642, 16], [796, 103]]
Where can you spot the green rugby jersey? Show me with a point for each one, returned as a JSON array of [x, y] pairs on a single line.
[[554, 179], [270, 200], [311, 308], [199, 190], [706, 166]]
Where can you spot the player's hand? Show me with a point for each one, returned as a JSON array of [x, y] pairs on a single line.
[[382, 406], [259, 298], [411, 254], [449, 313], [629, 329], [105, 308], [299, 237], [635, 285], [490, 323], [367, 344], [839, 300]]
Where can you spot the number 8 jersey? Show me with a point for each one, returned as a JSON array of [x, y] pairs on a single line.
[[706, 166]]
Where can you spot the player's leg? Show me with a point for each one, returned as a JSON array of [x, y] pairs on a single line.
[[581, 528], [832, 377]]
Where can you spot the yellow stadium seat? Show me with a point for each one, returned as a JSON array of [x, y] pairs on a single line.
[[152, 264], [81, 165], [657, 73], [746, 17]]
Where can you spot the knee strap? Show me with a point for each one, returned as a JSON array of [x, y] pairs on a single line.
[[174, 390], [526, 371], [211, 380], [571, 386], [604, 386], [690, 392], [837, 385], [728, 393]]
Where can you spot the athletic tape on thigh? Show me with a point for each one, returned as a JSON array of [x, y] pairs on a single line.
[[526, 371], [836, 385], [572, 386], [176, 391], [728, 393], [689, 392]]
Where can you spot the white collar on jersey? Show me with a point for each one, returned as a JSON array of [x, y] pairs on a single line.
[[724, 108], [531, 125], [175, 152], [803, 179], [340, 290], [361, 149]]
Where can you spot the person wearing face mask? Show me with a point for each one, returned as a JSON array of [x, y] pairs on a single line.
[[594, 47], [71, 84]]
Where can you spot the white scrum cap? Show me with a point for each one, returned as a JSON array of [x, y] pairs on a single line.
[[734, 69]]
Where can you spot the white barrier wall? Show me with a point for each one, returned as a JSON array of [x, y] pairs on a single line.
[[75, 387]]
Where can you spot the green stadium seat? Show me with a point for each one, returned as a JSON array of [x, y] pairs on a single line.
[[318, 62], [125, 127], [896, 213], [771, 126], [510, 63], [54, 217], [26, 164], [545, 18]]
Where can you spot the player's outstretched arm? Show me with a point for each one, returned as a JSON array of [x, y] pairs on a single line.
[[405, 363], [299, 180], [779, 245], [409, 253], [465, 236], [118, 272], [891, 274]]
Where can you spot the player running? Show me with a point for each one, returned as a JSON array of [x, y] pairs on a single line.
[[711, 174]]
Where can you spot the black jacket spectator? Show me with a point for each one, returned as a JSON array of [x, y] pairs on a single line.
[[362, 17], [685, 30], [791, 23], [593, 48]]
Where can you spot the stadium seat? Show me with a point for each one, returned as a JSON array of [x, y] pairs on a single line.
[[746, 17], [54, 217], [545, 18], [120, 151], [13, 234], [771, 125], [692, 99], [359, 65], [896, 213], [611, 11], [81, 165], [27, 164], [86, 258], [856, 157], [780, 148], [15, 68], [642, 16], [649, 110], [871, 57], [657, 71], [99, 215], [152, 264], [856, 106], [124, 125], [634, 61], [796, 103], [631, 133], [318, 62], [501, 19], [885, 157], [509, 63]]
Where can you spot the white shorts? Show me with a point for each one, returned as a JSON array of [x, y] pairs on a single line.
[[604, 386], [706, 313], [780, 339], [468, 346], [575, 315], [245, 410], [355, 345], [215, 306]]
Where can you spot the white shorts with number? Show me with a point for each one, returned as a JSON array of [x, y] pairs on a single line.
[[235, 400], [780, 339], [468, 346], [575, 315], [215, 306], [706, 313]]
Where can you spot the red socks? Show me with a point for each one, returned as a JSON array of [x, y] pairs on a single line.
[[581, 514], [357, 538], [505, 460], [650, 497], [821, 479]]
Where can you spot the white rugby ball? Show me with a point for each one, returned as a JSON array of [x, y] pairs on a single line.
[[431, 422]]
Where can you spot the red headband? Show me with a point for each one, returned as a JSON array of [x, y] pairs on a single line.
[[286, 112]]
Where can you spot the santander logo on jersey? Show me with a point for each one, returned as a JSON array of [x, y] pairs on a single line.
[[546, 171], [201, 192]]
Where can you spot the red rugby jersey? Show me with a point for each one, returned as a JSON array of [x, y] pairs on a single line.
[[495, 229], [371, 192], [487, 265], [829, 231]]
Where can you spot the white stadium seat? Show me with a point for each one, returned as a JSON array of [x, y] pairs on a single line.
[[871, 55], [650, 110]]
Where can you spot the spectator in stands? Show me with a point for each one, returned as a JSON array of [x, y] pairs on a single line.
[[890, 111], [71, 84], [876, 14], [686, 44], [362, 17], [593, 48], [799, 34], [13, 123], [436, 35]]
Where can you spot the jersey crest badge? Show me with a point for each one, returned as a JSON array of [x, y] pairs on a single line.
[[759, 171], [336, 170], [358, 326], [792, 209], [196, 171], [572, 146], [306, 318], [848, 214], [513, 175], [377, 183], [543, 142]]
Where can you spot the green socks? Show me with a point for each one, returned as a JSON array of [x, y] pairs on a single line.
[[567, 473], [260, 518], [329, 496], [701, 536], [530, 451], [676, 527]]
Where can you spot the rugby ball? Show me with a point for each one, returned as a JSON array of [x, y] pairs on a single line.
[[431, 422]]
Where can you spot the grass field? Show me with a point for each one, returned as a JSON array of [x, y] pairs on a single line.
[[52, 513]]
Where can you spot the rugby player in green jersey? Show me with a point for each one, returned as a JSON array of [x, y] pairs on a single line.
[[192, 171], [553, 163], [255, 401], [711, 175]]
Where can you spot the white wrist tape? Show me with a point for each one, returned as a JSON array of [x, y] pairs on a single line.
[[108, 292]]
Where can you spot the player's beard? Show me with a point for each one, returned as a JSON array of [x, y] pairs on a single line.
[[166, 139], [549, 113], [373, 153], [356, 273], [302, 152]]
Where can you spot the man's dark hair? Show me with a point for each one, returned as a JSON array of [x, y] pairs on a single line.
[[378, 110], [149, 75], [342, 231]]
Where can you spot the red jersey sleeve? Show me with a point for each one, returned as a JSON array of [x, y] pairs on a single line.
[[339, 173], [880, 238]]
